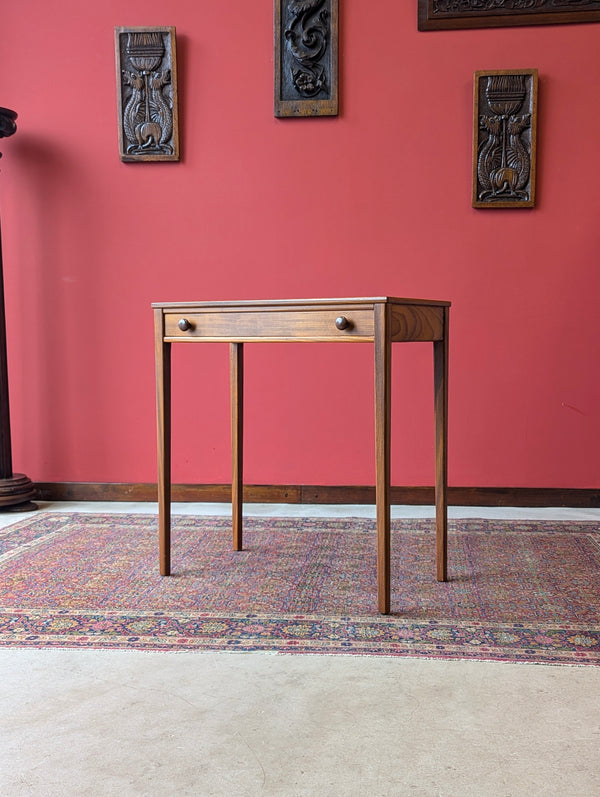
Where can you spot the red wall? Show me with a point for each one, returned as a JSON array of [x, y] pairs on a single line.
[[374, 202]]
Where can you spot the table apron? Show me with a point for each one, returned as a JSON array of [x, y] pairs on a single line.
[[407, 323]]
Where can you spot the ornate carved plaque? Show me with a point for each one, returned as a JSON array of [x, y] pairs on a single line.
[[306, 57], [504, 139], [147, 94], [440, 14]]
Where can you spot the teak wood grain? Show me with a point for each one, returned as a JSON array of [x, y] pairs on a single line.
[[383, 416], [380, 321], [163, 415]]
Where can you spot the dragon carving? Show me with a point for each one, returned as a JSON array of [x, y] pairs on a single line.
[[148, 115], [504, 161]]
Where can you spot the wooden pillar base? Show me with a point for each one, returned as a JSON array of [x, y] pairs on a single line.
[[16, 494]]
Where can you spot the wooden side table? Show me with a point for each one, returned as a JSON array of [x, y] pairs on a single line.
[[381, 321]]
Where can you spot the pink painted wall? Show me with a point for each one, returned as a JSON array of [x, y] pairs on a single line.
[[374, 202]]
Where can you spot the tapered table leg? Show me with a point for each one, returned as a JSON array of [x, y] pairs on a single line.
[[237, 440], [163, 418], [440, 369], [383, 362]]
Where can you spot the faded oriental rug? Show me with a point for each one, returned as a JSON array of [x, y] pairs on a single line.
[[518, 590]]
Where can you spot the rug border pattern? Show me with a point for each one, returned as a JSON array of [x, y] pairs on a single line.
[[392, 635]]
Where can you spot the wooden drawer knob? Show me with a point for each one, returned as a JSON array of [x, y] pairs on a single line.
[[342, 322], [184, 324]]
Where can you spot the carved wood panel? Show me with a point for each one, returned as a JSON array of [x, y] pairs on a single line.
[[306, 57], [445, 14], [504, 138], [147, 94]]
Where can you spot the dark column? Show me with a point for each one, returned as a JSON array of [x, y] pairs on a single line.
[[16, 490]]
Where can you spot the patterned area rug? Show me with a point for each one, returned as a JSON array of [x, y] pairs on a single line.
[[518, 591]]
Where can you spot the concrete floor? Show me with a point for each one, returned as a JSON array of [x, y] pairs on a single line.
[[78, 723]]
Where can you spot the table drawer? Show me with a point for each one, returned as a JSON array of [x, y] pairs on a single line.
[[335, 323]]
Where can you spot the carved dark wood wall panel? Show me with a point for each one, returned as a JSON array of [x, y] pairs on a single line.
[[147, 94], [306, 57], [446, 14], [504, 139]]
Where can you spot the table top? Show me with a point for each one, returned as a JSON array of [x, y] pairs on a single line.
[[292, 303]]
